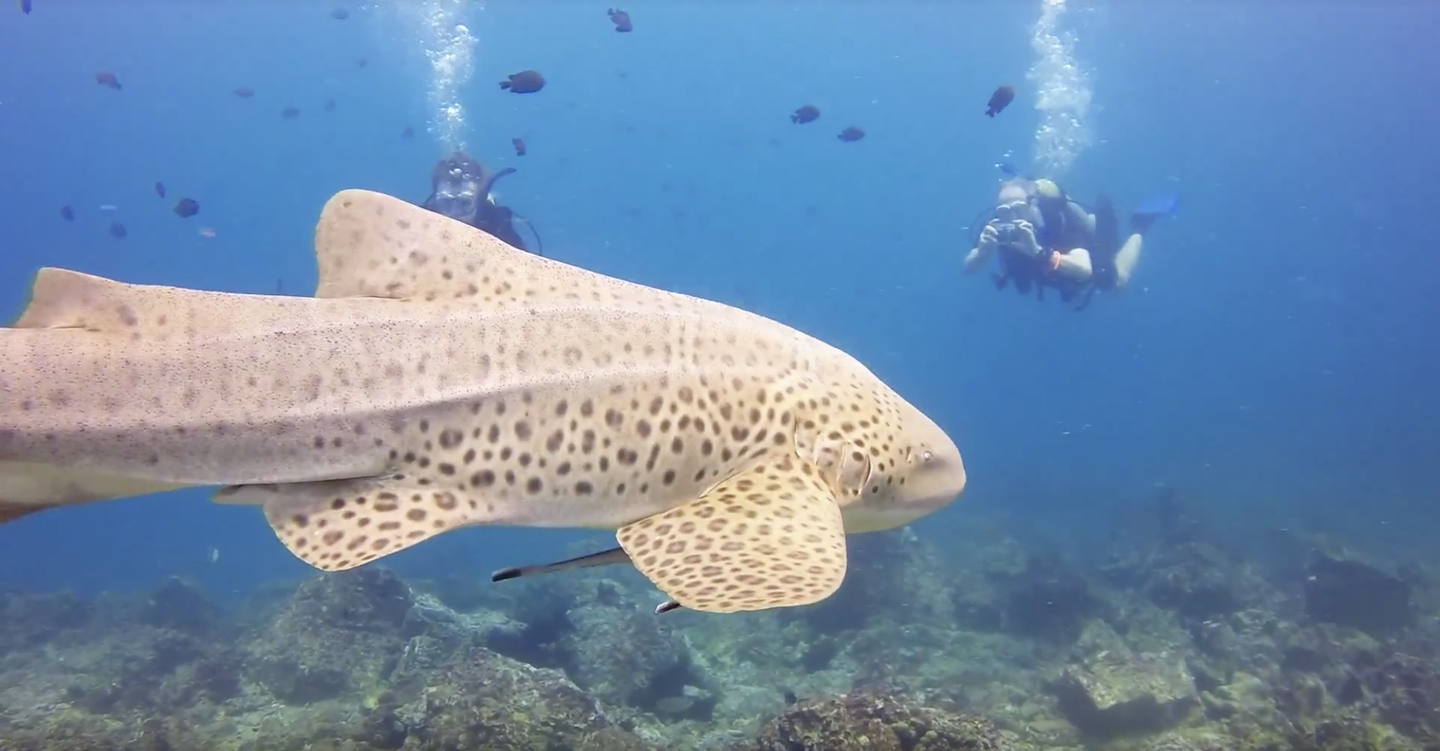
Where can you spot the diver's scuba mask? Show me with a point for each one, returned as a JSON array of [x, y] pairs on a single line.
[[458, 196], [1043, 200], [1039, 211], [1014, 211]]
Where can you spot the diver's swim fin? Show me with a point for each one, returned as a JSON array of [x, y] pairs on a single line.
[[1151, 209]]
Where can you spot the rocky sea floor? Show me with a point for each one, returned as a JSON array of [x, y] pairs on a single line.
[[1171, 644]]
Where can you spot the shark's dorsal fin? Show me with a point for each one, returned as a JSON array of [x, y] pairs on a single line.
[[372, 245]]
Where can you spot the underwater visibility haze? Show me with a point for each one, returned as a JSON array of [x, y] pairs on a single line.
[[437, 374]]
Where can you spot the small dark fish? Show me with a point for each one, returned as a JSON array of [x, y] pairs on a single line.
[[807, 114], [107, 79], [524, 82], [621, 19], [186, 208], [339, 14], [790, 697], [118, 231], [67, 213], [851, 134], [519, 145], [1001, 99], [409, 132], [25, 7], [290, 113], [329, 105], [244, 92], [159, 189]]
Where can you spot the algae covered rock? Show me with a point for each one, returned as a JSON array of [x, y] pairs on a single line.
[[1341, 734], [875, 722], [893, 575], [1405, 692], [338, 633], [27, 620], [480, 699], [1049, 599], [181, 606], [625, 655], [1112, 690], [1351, 593]]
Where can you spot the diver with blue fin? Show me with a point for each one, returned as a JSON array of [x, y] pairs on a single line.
[[461, 188], [1046, 240]]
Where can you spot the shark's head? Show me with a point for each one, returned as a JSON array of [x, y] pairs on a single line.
[[924, 474], [891, 462]]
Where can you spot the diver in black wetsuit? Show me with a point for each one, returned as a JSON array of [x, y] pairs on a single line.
[[460, 189], [1045, 239]]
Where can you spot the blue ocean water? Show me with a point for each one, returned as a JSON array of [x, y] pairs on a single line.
[[1274, 354]]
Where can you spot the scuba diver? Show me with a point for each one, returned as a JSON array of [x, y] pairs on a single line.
[[1046, 239], [460, 188]]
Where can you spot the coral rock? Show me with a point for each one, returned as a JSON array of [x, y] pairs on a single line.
[[874, 722], [1112, 690], [1351, 593]]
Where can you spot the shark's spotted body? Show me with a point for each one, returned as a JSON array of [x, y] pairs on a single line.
[[441, 379]]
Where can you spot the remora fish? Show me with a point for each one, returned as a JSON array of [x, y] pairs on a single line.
[[441, 379]]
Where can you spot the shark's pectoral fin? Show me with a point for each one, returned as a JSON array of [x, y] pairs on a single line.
[[771, 536], [336, 525]]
